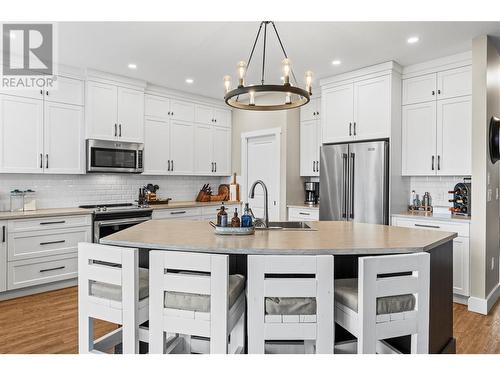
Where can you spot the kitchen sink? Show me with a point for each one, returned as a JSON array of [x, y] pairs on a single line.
[[287, 225]]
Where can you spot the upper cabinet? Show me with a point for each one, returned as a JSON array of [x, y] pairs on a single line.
[[212, 116], [310, 137], [437, 123], [114, 112]]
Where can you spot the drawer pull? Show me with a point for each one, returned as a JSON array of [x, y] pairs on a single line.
[[304, 213], [177, 212], [427, 226], [3, 233], [53, 222], [52, 242], [53, 269]]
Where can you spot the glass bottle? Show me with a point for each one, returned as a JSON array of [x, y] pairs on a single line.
[[222, 217], [246, 218], [235, 221]]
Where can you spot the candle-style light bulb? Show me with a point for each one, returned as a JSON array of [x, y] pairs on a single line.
[[252, 98], [227, 83], [309, 78], [288, 98], [242, 68], [286, 64]]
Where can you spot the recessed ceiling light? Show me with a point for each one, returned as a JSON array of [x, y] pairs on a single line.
[[336, 62], [132, 66], [412, 40], [189, 80]]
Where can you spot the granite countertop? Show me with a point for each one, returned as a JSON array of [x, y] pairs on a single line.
[[328, 237], [434, 216], [44, 212], [303, 205]]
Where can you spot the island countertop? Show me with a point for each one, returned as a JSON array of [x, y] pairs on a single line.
[[328, 237]]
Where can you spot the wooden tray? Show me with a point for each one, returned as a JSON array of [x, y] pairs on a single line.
[[233, 231]]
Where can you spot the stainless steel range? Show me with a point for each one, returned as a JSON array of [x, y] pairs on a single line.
[[112, 218]]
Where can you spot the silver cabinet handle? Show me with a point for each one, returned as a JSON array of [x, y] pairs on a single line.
[[427, 226], [52, 222], [47, 161], [116, 130], [120, 130], [52, 242], [432, 162], [304, 213], [177, 212], [53, 269]]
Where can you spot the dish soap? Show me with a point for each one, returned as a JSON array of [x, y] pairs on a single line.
[[222, 217], [235, 221], [246, 218]]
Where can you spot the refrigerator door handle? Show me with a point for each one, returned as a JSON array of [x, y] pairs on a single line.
[[351, 187], [344, 186]]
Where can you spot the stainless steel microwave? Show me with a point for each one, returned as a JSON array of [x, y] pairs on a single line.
[[116, 157]]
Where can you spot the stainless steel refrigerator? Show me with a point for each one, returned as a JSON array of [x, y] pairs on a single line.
[[354, 182]]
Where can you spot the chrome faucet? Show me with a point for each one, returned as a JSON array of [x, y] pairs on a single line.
[[265, 220]]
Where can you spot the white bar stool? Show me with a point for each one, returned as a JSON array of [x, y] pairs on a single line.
[[290, 298], [192, 294], [113, 288], [384, 304]]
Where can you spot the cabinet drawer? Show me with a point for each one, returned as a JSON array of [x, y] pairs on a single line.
[[43, 223], [35, 244], [178, 213], [31, 272], [303, 214], [461, 229]]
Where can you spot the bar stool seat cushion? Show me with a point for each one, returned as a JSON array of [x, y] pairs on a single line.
[[114, 292], [346, 293], [290, 306], [201, 302]]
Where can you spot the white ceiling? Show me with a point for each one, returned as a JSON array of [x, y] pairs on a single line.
[[166, 53]]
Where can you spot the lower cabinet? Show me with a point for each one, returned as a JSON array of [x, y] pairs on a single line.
[[303, 214]]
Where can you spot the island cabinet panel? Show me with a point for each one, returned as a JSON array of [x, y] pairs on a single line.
[[3, 256]]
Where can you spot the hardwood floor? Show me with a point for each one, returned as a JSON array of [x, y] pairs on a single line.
[[47, 323]]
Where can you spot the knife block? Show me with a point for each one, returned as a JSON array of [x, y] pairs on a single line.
[[203, 196]]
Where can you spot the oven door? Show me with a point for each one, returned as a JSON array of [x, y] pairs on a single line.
[[109, 156], [107, 227]]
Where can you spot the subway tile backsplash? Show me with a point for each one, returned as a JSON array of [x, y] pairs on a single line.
[[54, 191], [438, 188]]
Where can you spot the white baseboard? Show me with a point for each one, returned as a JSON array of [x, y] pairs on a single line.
[[38, 289], [484, 305], [463, 300]]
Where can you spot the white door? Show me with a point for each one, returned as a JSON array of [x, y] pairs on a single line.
[[454, 136], [157, 107], [156, 147], [130, 115], [69, 91], [64, 140], [181, 147], [3, 256], [337, 114], [454, 82], [419, 139], [203, 114], [372, 108], [180, 110], [309, 148], [419, 89], [222, 117], [203, 149], [461, 266], [21, 135], [101, 109], [221, 139], [262, 162]]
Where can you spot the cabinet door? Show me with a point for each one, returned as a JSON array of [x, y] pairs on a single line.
[[419, 139], [101, 109], [372, 108], [180, 110], [64, 141], [454, 82], [21, 134], [461, 266], [308, 111], [222, 117], [130, 115], [157, 107], [419, 89], [337, 114], [309, 148], [204, 114], [156, 147], [181, 147], [203, 149], [222, 150], [69, 91], [3, 256], [454, 136]]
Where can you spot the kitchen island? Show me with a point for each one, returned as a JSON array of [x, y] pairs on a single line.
[[345, 240]]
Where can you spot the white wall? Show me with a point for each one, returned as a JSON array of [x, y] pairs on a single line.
[[54, 191]]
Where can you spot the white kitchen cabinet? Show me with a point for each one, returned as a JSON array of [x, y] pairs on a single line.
[[3, 256], [337, 107], [157, 107], [182, 147], [69, 91], [372, 108], [419, 89], [130, 115], [456, 82], [222, 117], [181, 110], [221, 139], [64, 139], [21, 134], [157, 147], [303, 213], [454, 136], [419, 139], [309, 147], [212, 116], [203, 149], [311, 110]]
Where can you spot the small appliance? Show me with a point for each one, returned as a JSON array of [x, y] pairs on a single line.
[[312, 193], [116, 157]]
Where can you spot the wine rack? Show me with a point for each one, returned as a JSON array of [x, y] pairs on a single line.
[[461, 198]]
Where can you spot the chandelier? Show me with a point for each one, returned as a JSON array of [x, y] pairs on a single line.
[[291, 96]]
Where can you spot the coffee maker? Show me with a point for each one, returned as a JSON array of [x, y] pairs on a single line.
[[312, 193]]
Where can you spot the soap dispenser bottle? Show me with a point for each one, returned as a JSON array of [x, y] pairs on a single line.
[[246, 218]]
